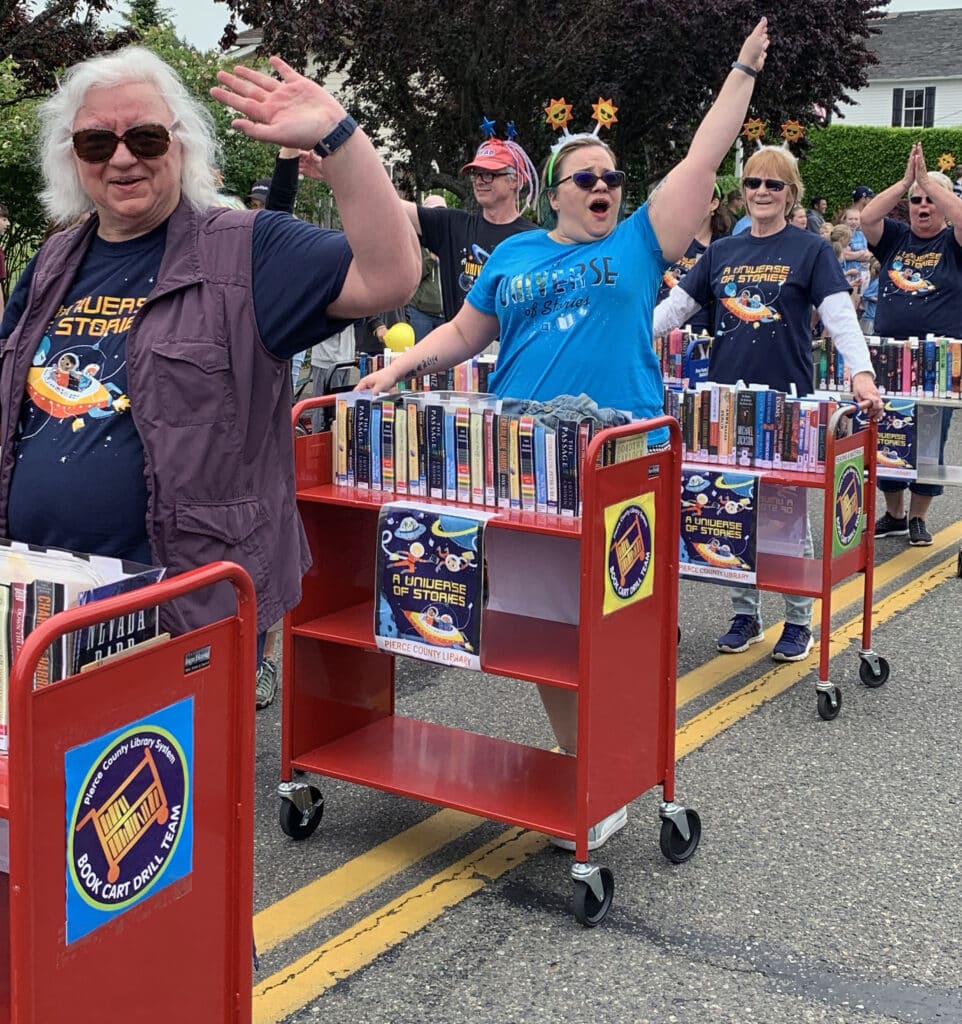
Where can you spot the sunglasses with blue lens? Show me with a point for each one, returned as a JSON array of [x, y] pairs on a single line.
[[588, 179]]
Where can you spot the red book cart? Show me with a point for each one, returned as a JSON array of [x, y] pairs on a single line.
[[133, 896], [339, 716]]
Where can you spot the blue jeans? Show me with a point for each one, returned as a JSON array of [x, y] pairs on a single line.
[[423, 323]]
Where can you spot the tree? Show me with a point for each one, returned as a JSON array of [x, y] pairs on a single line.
[[425, 71], [145, 14], [60, 34]]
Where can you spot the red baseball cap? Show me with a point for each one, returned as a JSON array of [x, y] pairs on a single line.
[[492, 155]]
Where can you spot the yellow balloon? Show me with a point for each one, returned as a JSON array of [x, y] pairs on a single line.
[[399, 337]]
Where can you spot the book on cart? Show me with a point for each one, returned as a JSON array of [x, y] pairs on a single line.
[[38, 582]]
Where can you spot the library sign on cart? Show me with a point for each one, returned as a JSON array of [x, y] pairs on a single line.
[[129, 820]]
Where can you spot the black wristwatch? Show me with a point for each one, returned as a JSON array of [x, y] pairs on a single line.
[[336, 138]]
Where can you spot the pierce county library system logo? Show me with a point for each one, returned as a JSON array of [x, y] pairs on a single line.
[[629, 552], [129, 827], [848, 505]]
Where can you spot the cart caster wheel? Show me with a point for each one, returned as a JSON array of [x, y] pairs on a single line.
[[868, 677], [589, 910], [679, 628], [958, 569], [829, 704], [292, 820], [674, 845]]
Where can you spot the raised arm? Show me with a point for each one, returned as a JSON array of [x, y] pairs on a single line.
[[461, 338], [948, 204], [677, 205], [295, 111], [876, 209]]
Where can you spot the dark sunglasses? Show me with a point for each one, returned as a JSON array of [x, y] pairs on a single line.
[[588, 179], [145, 141], [772, 184], [916, 200], [486, 177]]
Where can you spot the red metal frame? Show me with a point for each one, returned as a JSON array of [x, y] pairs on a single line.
[[184, 953], [338, 706], [815, 577]]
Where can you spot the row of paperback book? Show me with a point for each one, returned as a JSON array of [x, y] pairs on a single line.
[[752, 426], [928, 367], [36, 583], [460, 447], [471, 375]]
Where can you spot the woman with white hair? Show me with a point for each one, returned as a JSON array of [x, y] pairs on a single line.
[[920, 292], [146, 396]]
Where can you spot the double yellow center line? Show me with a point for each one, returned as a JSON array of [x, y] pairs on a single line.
[[308, 977]]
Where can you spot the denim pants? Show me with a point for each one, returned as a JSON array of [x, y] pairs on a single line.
[[422, 323], [798, 609]]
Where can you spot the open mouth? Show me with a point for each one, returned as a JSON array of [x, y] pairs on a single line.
[[600, 206]]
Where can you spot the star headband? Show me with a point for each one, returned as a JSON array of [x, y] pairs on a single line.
[[558, 114], [523, 166]]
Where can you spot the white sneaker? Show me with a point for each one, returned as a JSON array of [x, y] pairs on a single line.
[[598, 834]]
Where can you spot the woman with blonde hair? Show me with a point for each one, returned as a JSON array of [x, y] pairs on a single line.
[[762, 285]]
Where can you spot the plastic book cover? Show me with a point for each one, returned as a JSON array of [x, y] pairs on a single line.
[[718, 526], [429, 583], [116, 634], [896, 458]]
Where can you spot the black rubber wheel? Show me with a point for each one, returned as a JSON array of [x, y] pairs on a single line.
[[958, 570], [290, 817], [679, 628], [673, 844], [589, 910], [825, 708], [868, 677]]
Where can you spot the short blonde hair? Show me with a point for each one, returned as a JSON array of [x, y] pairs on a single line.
[[775, 162]]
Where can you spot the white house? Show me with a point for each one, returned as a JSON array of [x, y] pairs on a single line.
[[918, 80]]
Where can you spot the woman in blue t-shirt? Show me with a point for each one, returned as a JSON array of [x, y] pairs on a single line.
[[761, 286], [920, 293], [573, 304]]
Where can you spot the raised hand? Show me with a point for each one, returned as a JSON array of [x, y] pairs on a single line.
[[290, 110], [755, 47]]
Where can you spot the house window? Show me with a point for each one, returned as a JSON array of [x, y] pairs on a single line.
[[913, 108]]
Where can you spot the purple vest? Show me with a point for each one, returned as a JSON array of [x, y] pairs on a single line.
[[211, 405]]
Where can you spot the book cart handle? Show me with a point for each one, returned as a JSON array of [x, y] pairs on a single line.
[[66, 622], [306, 404]]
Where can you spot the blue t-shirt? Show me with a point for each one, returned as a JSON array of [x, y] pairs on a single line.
[[76, 445], [920, 283], [577, 318], [675, 274], [762, 291]]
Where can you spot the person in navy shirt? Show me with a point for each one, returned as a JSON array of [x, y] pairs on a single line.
[[121, 139], [919, 293], [761, 286]]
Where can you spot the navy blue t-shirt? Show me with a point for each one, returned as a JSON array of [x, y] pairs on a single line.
[[763, 290], [920, 283], [77, 448]]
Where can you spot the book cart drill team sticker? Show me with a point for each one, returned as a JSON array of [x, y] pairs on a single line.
[[129, 816]]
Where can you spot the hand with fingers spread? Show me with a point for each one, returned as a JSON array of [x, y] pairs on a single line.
[[291, 110]]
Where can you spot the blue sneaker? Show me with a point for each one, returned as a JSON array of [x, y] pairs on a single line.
[[794, 644], [745, 630]]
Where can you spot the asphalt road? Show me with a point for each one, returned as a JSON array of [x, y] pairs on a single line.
[[827, 886]]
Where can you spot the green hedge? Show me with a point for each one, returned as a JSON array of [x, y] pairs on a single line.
[[840, 157]]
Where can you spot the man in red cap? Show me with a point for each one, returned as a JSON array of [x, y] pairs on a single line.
[[463, 241]]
